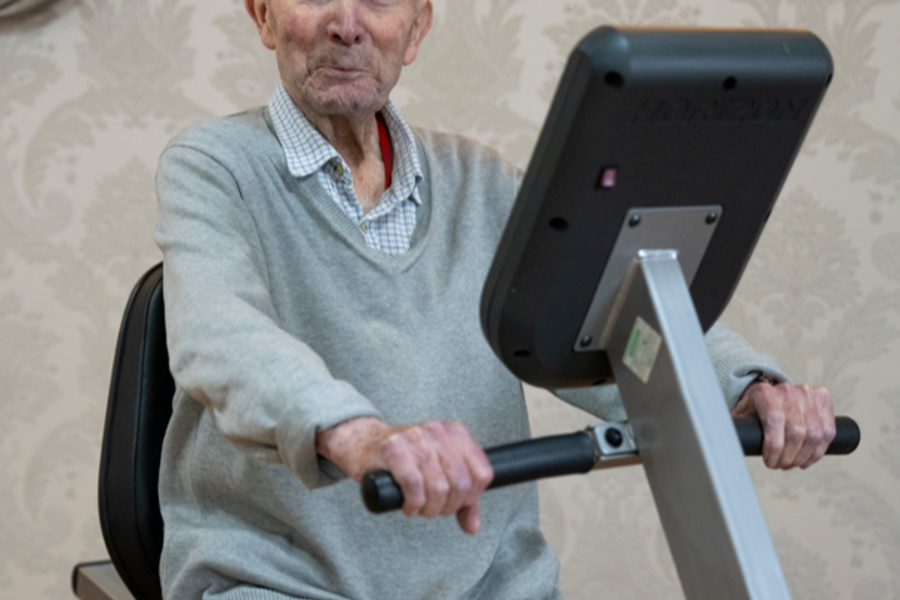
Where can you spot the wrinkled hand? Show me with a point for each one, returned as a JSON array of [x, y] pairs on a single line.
[[798, 422], [439, 467]]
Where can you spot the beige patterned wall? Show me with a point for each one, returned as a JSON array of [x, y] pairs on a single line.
[[90, 90]]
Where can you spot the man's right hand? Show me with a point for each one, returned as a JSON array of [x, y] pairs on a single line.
[[439, 467]]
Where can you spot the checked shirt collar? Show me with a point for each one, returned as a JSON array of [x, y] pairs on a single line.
[[307, 152]]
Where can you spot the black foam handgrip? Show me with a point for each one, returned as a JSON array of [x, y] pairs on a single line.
[[513, 463], [750, 433]]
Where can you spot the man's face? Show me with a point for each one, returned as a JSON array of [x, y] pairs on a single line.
[[341, 57]]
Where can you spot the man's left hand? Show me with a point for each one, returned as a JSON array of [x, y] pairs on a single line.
[[797, 420]]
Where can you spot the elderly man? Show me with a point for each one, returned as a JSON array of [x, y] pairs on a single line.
[[323, 265]]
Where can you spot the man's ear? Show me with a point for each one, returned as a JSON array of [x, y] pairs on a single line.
[[259, 12], [421, 26]]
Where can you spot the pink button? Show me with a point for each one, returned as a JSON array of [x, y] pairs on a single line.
[[608, 178]]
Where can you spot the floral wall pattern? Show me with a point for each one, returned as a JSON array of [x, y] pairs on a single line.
[[91, 90]]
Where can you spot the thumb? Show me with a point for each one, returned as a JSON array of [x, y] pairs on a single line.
[[746, 406]]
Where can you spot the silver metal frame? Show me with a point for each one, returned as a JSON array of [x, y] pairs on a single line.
[[687, 443]]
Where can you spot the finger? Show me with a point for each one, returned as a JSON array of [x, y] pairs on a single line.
[[480, 472], [456, 471], [401, 462], [768, 409], [479, 468], [437, 487], [812, 440], [794, 434], [824, 414], [469, 519]]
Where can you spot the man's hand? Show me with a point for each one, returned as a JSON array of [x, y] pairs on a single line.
[[439, 467], [798, 422]]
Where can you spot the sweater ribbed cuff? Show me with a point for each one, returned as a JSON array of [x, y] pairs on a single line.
[[320, 407]]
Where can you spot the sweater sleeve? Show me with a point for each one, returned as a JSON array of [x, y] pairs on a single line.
[[736, 364], [266, 391]]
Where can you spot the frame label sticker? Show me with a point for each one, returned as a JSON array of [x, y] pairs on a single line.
[[643, 346]]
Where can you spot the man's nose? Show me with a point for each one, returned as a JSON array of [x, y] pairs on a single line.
[[345, 26]]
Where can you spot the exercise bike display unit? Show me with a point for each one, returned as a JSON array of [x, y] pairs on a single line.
[[660, 161]]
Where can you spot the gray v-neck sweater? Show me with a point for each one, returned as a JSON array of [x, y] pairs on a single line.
[[282, 322]]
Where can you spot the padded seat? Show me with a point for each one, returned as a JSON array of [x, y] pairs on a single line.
[[137, 413]]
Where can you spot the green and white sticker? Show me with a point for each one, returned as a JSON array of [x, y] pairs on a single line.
[[643, 346]]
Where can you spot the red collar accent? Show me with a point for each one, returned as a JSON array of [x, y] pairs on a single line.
[[387, 152]]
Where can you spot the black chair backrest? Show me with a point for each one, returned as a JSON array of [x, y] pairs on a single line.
[[137, 413]]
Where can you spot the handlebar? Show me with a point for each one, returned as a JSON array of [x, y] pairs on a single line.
[[573, 453]]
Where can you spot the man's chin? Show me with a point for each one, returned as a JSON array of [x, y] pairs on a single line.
[[345, 100]]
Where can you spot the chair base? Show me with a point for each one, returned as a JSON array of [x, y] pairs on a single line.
[[98, 581]]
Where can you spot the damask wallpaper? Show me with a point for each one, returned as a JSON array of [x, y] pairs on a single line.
[[91, 90]]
